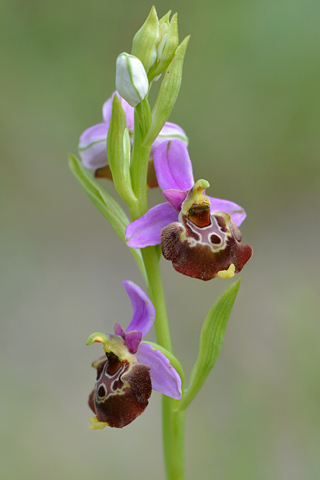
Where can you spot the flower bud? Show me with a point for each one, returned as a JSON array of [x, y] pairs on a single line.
[[167, 44], [131, 79], [163, 31], [145, 40], [168, 93], [169, 41]]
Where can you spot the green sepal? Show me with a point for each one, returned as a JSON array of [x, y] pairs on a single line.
[[145, 40], [172, 359], [118, 151], [211, 339], [102, 199], [171, 42], [105, 203], [168, 93]]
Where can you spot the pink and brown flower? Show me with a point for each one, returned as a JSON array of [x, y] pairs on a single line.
[[130, 368], [199, 234]]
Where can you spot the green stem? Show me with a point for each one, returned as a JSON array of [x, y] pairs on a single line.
[[167, 434], [173, 438], [155, 290], [177, 442], [173, 420]]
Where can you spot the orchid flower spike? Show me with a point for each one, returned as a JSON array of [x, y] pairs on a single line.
[[130, 368], [93, 141], [199, 234]]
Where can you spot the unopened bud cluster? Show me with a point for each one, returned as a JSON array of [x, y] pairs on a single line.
[[156, 42], [153, 48]]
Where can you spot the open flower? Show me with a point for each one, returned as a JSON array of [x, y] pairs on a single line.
[[199, 234], [130, 368], [93, 141]]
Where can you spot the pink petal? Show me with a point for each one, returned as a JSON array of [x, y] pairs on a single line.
[[128, 110], [175, 198], [146, 231], [237, 213], [143, 310], [164, 377], [170, 131], [133, 340], [173, 166], [93, 146]]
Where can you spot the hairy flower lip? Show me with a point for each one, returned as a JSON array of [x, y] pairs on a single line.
[[204, 252], [135, 358]]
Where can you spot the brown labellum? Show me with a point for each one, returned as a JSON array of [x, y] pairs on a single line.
[[121, 391], [202, 245]]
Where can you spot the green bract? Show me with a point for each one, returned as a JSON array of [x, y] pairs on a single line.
[[102, 199], [105, 203], [211, 339], [118, 150]]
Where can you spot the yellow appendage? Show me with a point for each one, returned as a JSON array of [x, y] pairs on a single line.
[[95, 424], [227, 273]]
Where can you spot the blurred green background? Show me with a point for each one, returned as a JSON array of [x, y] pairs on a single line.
[[250, 105]]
